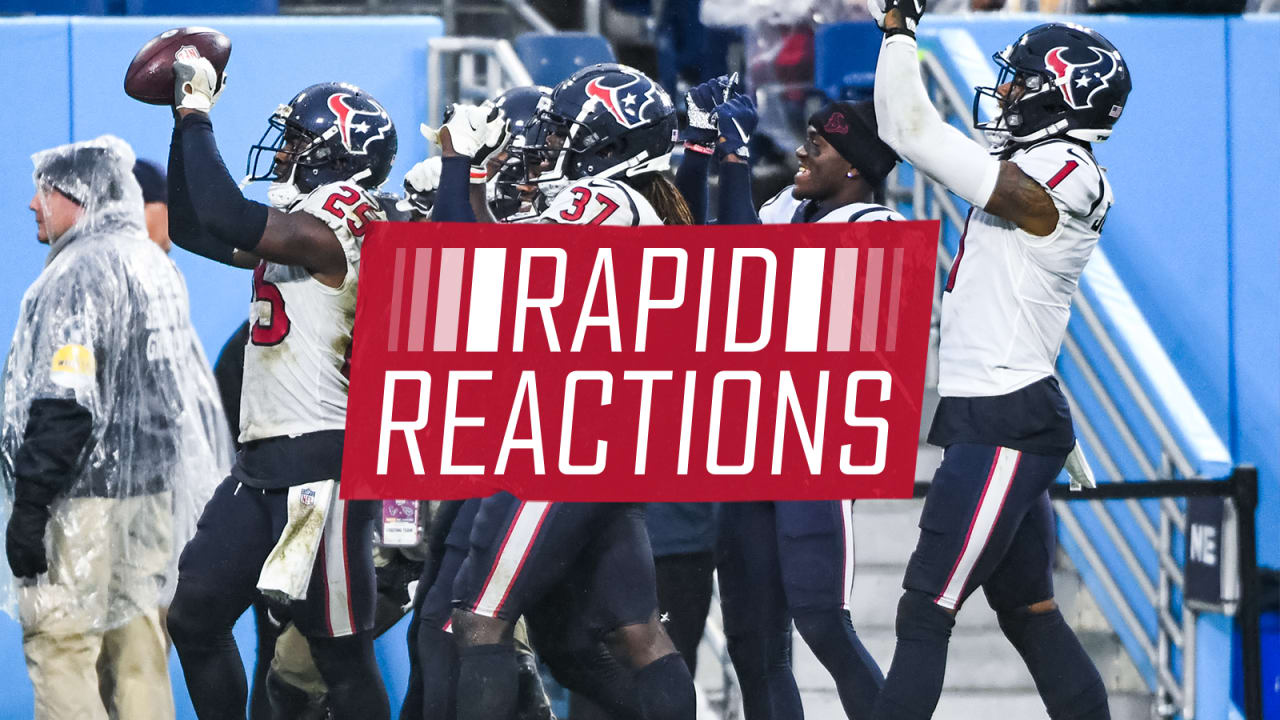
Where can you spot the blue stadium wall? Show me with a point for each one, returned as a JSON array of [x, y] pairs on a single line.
[[1193, 233]]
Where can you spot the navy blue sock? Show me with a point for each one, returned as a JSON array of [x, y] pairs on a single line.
[[438, 670], [488, 682], [914, 683], [666, 689], [762, 662], [351, 672], [1064, 674], [594, 675], [830, 635]]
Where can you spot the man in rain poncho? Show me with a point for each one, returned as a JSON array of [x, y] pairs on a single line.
[[112, 441]]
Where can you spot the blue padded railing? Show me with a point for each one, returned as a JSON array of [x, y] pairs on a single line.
[[1134, 415]]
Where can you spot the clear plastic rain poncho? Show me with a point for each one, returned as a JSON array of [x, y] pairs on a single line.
[[107, 323]]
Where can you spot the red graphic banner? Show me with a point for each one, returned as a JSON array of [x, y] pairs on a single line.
[[639, 364]]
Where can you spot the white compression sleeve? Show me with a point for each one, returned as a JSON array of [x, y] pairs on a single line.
[[911, 126]]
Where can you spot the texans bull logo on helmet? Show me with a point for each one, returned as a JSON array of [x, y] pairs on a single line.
[[625, 102], [1079, 81], [350, 122]]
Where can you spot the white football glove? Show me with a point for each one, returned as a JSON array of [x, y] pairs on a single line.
[[1078, 470], [420, 183], [877, 10], [196, 85], [425, 176], [476, 131]]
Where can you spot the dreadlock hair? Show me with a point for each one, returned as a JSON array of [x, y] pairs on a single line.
[[663, 196]]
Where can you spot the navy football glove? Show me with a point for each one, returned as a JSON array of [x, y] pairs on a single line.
[[735, 121], [24, 539], [700, 105]]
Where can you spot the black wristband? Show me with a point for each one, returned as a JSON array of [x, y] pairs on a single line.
[[899, 31]]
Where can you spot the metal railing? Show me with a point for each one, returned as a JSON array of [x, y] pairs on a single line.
[[1138, 571], [469, 69]]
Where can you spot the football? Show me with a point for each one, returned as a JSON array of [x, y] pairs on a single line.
[[150, 75]]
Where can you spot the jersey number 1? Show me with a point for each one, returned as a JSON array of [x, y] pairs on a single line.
[[276, 327]]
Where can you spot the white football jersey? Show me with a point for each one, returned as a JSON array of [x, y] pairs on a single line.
[[785, 208], [1008, 295], [295, 374], [600, 201]]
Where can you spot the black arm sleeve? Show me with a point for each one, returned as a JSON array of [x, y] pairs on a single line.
[[736, 204], [184, 227], [56, 433], [453, 198], [691, 181], [223, 212]]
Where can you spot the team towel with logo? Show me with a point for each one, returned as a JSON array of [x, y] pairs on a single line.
[[287, 570]]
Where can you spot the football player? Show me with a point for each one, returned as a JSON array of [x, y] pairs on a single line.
[[433, 653], [510, 197], [334, 144], [785, 562], [1038, 207], [599, 148], [843, 166]]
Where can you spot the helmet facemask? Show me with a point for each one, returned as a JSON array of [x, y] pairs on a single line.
[[511, 196], [283, 149], [1026, 88], [563, 149]]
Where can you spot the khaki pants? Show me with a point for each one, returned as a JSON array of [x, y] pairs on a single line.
[[78, 671], [294, 665]]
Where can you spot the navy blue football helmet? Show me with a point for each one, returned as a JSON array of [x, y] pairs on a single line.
[[520, 105], [510, 197], [329, 132], [1065, 80], [605, 120]]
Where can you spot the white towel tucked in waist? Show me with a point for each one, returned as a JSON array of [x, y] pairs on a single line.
[[287, 570]]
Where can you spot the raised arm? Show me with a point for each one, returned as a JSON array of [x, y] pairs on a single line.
[[699, 136], [184, 225], [237, 222], [221, 212], [470, 137], [910, 125], [736, 120]]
